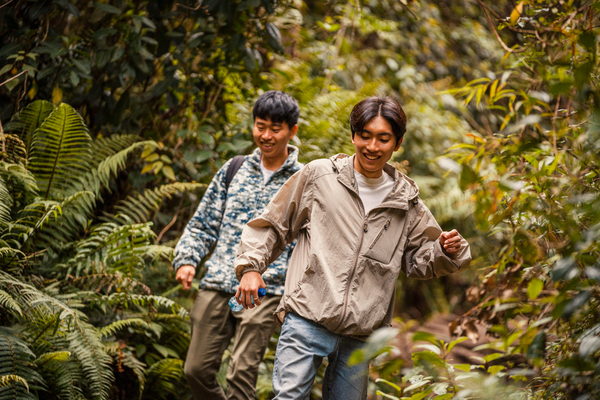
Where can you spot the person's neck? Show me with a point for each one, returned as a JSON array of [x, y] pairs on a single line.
[[366, 174], [273, 164]]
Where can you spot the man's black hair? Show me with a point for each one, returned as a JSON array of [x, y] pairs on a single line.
[[277, 106], [372, 107]]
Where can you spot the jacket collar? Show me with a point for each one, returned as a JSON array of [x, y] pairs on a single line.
[[291, 163], [405, 190]]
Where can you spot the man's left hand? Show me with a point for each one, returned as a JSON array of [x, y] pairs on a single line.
[[450, 241]]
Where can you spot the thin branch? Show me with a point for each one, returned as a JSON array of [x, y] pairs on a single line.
[[5, 4], [496, 33], [166, 228], [14, 77], [554, 126]]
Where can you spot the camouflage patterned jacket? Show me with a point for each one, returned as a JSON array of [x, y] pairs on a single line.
[[220, 219]]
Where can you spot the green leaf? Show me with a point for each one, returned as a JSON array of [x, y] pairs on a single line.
[[578, 301], [165, 351], [468, 177], [32, 117], [60, 152], [537, 348], [107, 8], [588, 40], [5, 69], [425, 336], [534, 288], [583, 73]]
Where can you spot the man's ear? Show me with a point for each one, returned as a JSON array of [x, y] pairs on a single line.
[[293, 131], [352, 137], [399, 143]]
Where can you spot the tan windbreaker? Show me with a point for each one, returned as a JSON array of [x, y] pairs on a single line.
[[343, 271]]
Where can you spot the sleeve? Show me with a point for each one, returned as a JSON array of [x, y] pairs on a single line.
[[424, 257], [265, 238], [202, 232]]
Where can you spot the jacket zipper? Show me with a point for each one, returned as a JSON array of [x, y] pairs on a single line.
[[387, 224]]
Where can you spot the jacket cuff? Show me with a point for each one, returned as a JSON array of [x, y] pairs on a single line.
[[181, 261], [241, 269]]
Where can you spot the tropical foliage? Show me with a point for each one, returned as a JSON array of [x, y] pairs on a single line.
[[146, 99]]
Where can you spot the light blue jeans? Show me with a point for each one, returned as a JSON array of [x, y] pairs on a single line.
[[300, 351]]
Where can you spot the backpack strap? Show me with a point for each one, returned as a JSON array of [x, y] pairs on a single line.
[[233, 168]]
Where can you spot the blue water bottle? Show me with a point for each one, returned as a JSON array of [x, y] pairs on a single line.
[[235, 306]]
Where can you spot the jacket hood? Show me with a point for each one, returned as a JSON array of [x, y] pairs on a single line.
[[405, 189]]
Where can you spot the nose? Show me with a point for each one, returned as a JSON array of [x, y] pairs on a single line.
[[372, 145], [267, 134]]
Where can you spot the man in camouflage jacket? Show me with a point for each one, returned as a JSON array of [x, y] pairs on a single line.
[[218, 224]]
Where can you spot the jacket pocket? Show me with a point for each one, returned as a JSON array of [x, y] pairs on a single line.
[[383, 246]]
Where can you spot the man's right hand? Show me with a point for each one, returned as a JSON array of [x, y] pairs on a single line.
[[185, 275]]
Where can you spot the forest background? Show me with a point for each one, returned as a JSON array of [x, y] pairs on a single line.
[[116, 114]]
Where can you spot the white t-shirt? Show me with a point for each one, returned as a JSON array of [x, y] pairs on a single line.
[[266, 173], [372, 191]]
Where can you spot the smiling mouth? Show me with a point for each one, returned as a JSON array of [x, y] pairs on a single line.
[[372, 158]]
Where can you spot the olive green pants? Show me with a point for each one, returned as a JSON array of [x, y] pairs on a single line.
[[213, 326]]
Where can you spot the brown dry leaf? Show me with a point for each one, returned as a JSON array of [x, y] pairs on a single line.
[[472, 332]]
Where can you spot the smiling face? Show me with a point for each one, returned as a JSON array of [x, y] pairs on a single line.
[[374, 146], [272, 139]]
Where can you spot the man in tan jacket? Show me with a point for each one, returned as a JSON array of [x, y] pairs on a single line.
[[359, 222]]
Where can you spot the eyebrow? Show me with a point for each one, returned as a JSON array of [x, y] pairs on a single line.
[[381, 134], [273, 124]]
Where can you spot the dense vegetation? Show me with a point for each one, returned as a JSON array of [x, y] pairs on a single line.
[[115, 114]]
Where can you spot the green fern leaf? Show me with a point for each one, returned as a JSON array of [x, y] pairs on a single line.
[[163, 376], [112, 164], [9, 303], [12, 149], [16, 360], [87, 347], [6, 202], [29, 120], [140, 207], [111, 329], [52, 356], [105, 147], [60, 152]]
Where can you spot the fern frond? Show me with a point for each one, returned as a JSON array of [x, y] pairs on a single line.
[[140, 207], [123, 299], [112, 164], [16, 360], [62, 379], [138, 368], [10, 379], [29, 120], [12, 149], [86, 346], [11, 260], [9, 303], [60, 152], [20, 183], [105, 147], [111, 329], [6, 202], [52, 356], [163, 375]]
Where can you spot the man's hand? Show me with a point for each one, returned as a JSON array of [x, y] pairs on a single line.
[[249, 285], [185, 275], [450, 241]]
